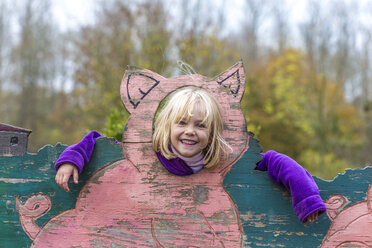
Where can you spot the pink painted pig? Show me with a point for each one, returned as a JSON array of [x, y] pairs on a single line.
[[135, 202], [351, 227]]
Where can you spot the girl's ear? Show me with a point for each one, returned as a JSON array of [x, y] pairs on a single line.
[[233, 80]]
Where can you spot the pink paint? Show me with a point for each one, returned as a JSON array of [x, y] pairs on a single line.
[[351, 227], [33, 208], [135, 202]]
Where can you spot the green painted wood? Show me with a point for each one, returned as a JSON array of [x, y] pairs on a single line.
[[264, 208], [31, 174]]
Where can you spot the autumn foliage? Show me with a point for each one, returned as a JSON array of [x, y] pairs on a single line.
[[310, 101]]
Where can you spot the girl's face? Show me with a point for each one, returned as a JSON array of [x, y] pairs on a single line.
[[190, 137]]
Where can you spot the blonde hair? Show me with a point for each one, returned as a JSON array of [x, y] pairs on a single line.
[[180, 105]]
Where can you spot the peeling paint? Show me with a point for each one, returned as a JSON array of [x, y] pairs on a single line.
[[134, 202], [18, 180]]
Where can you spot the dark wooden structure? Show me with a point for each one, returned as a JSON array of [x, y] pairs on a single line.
[[13, 140]]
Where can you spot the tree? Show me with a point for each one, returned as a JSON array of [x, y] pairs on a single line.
[[302, 115], [7, 103], [364, 101], [198, 40], [33, 62], [4, 37], [255, 12], [281, 26], [122, 35]]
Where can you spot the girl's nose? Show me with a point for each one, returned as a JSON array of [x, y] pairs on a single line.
[[190, 130]]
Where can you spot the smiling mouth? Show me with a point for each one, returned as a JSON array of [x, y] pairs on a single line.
[[188, 142]]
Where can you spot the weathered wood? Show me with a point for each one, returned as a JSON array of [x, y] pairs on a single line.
[[268, 220], [264, 208], [25, 176], [135, 201], [125, 198], [13, 140]]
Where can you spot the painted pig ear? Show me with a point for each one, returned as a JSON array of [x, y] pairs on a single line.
[[233, 80], [136, 85], [140, 92]]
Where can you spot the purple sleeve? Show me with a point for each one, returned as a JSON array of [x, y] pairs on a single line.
[[79, 154], [304, 191]]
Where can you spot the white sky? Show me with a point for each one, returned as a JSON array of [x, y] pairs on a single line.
[[71, 13]]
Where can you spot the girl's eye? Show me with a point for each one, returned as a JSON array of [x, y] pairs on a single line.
[[201, 125], [182, 123]]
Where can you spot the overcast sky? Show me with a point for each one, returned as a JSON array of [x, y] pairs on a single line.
[[71, 13]]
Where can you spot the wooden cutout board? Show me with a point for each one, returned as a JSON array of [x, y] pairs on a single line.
[[125, 198]]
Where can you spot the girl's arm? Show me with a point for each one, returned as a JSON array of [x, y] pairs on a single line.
[[79, 154], [283, 170], [72, 160]]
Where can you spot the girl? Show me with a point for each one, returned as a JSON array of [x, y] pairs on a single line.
[[188, 138]]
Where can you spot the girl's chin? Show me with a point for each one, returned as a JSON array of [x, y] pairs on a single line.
[[187, 153]]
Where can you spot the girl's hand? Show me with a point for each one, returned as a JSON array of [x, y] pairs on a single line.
[[312, 217], [65, 171]]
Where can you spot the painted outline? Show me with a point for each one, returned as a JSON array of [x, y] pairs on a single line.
[[225, 86], [144, 94]]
